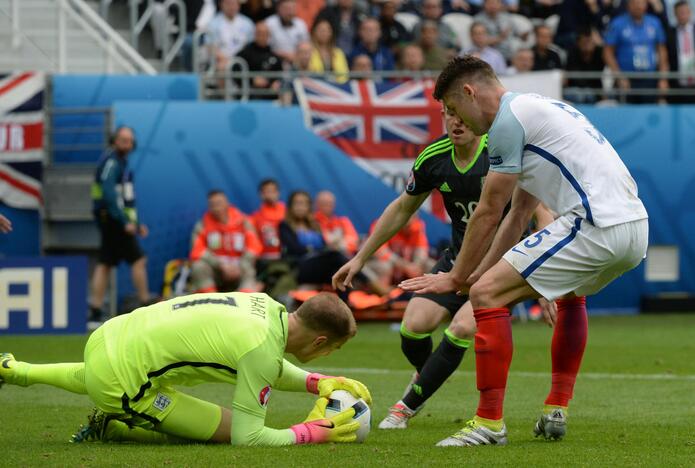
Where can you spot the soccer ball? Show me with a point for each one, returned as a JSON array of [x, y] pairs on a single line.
[[340, 400]]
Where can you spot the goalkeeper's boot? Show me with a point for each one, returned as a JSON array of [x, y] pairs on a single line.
[[12, 371], [398, 417], [473, 434], [93, 430], [552, 425], [416, 375]]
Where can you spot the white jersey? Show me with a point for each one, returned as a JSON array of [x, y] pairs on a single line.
[[562, 160]]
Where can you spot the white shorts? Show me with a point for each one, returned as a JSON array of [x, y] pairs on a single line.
[[572, 255]]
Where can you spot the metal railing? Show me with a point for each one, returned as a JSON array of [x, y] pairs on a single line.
[[236, 83], [116, 50], [138, 22]]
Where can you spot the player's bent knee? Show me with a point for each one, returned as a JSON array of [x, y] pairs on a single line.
[[484, 293], [462, 329]]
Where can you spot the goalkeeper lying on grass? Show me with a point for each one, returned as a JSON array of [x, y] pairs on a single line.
[[133, 361]]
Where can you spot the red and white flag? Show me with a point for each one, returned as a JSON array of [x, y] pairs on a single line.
[[21, 139], [383, 126]]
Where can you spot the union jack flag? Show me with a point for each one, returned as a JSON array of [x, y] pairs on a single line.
[[383, 126], [21, 139]]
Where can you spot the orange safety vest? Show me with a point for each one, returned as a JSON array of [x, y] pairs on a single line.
[[231, 239], [339, 225], [266, 220]]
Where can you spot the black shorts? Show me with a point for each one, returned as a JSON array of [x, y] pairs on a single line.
[[450, 301], [116, 244]]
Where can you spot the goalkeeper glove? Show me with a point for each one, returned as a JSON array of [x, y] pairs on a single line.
[[339, 428], [324, 385]]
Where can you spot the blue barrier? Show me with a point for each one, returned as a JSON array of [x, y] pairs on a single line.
[[24, 238], [100, 91], [43, 295], [186, 149]]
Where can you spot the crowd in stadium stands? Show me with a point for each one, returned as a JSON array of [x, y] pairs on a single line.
[[281, 249], [514, 36]]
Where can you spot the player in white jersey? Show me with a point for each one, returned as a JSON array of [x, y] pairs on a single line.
[[540, 150]]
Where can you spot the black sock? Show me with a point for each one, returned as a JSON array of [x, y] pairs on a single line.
[[441, 364], [417, 348]]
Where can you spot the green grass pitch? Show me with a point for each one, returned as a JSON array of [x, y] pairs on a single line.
[[634, 405]]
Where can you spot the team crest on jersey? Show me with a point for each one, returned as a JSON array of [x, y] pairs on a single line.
[[410, 186], [161, 402], [264, 396]]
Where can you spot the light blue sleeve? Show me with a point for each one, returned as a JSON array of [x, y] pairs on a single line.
[[506, 140]]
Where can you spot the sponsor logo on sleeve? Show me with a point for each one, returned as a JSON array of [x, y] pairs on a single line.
[[495, 160], [264, 396]]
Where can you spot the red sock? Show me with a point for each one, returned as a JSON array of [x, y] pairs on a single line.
[[569, 341], [493, 354]]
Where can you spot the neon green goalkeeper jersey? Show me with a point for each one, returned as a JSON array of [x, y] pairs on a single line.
[[236, 338]]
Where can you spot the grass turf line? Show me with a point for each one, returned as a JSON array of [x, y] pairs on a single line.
[[613, 421]]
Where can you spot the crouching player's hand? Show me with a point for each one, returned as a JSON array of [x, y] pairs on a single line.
[[317, 429], [324, 385]]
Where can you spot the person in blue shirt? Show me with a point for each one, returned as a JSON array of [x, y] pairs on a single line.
[[113, 197], [636, 42], [370, 45]]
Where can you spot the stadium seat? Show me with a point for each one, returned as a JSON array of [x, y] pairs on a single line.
[[408, 20], [460, 23]]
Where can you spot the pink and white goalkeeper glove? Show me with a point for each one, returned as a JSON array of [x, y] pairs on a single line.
[[317, 429]]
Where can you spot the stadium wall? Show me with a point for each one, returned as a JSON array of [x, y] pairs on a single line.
[[190, 147], [187, 146]]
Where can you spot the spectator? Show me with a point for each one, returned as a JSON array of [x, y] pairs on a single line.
[[369, 44], [499, 27], [585, 56], [432, 11], [345, 20], [307, 10], [483, 51], [635, 42], [260, 58], [113, 198], [268, 218], [578, 15], [224, 248], [338, 231], [286, 30], [303, 245], [405, 256], [393, 33], [362, 64], [257, 10], [541, 9], [325, 56], [522, 62], [546, 56], [230, 31], [411, 60], [5, 225], [436, 57], [302, 58], [301, 66], [682, 50]]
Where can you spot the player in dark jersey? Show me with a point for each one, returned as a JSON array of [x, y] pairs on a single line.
[[455, 164]]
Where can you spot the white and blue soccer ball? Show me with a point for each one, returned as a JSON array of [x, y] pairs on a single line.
[[340, 400]]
